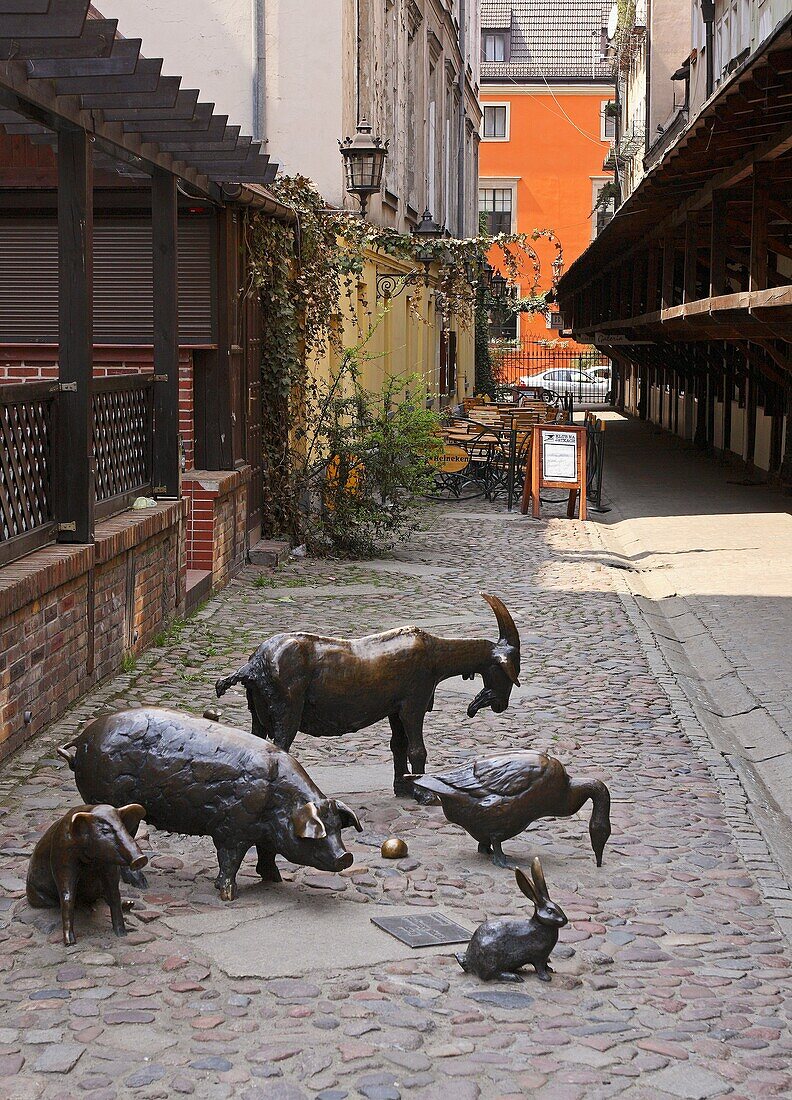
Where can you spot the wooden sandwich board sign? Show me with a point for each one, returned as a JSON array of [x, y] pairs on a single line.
[[558, 461]]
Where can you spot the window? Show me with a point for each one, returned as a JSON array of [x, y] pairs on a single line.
[[497, 204], [495, 46], [503, 324], [504, 327], [608, 120], [603, 203], [496, 122]]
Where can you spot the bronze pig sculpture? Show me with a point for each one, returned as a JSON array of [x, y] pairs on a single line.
[[327, 687], [499, 948], [78, 861], [495, 797], [204, 779]]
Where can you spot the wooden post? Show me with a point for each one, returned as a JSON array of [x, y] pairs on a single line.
[[667, 285], [637, 286], [652, 265], [166, 471], [728, 394], [74, 472], [759, 217], [691, 256], [718, 235], [213, 405], [750, 417]]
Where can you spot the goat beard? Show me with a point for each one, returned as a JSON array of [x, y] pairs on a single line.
[[485, 698]]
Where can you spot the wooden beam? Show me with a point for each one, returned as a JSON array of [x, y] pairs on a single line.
[[65, 21], [96, 40], [74, 481], [166, 473], [122, 59]]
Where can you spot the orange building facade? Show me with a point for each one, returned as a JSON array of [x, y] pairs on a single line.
[[551, 163], [547, 131]]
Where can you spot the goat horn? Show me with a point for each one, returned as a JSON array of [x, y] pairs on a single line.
[[508, 631]]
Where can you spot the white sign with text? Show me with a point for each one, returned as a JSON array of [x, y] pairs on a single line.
[[559, 456]]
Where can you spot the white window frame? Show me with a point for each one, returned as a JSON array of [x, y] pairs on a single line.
[[597, 183], [604, 136], [491, 183], [484, 107], [504, 36]]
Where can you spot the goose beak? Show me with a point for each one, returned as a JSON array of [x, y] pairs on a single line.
[[485, 698]]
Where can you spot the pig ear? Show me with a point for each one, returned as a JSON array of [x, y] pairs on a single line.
[[81, 821], [307, 823], [348, 817], [132, 815]]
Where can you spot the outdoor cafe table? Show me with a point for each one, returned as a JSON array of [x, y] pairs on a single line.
[[501, 452]]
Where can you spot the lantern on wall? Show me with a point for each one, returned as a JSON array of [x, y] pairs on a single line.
[[364, 160]]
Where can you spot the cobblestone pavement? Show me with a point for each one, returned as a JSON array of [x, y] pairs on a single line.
[[672, 979]]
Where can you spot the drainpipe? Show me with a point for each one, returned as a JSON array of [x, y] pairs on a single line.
[[461, 143], [708, 15], [260, 73]]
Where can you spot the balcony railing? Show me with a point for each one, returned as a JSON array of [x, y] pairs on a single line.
[[123, 433]]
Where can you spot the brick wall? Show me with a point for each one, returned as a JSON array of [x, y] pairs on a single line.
[[69, 615], [217, 523], [31, 363]]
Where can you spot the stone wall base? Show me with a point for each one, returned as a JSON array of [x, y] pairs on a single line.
[[69, 615]]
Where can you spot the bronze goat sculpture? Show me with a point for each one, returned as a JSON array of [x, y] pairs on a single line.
[[327, 687]]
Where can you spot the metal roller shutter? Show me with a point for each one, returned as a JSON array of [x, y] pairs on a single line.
[[122, 282]]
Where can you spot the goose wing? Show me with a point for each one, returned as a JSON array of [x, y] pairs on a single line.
[[503, 775]]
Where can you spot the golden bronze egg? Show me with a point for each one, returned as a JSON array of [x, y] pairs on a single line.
[[394, 848]]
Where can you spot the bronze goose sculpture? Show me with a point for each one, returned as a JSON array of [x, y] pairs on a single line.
[[496, 797]]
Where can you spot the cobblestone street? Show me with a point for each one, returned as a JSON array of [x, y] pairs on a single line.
[[672, 977]]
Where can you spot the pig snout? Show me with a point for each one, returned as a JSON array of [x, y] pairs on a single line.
[[331, 855], [131, 855]]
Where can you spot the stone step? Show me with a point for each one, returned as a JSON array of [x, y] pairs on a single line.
[[270, 552]]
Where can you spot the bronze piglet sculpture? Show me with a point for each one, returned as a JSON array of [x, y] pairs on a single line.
[[499, 948], [79, 858], [204, 779], [327, 686], [495, 797]]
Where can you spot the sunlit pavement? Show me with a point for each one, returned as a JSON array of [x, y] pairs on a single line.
[[711, 551]]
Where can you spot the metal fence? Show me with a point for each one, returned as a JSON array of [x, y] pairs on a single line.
[[27, 413], [122, 439], [582, 371], [122, 442]]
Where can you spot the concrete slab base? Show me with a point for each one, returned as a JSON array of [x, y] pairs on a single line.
[[301, 932]]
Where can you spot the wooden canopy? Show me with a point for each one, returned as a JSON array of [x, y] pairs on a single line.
[[63, 64], [701, 250]]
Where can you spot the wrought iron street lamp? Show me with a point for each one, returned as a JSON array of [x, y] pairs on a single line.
[[497, 285], [364, 160], [425, 231]]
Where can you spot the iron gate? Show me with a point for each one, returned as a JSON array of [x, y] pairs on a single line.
[[555, 365]]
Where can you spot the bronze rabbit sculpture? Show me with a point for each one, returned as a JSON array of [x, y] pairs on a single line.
[[499, 948]]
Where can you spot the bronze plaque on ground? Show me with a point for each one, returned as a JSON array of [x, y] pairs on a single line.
[[423, 930]]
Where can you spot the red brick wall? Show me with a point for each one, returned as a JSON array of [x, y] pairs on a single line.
[[128, 584], [31, 363], [217, 523]]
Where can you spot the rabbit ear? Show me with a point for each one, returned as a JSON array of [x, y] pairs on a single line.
[[526, 885], [539, 879]]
